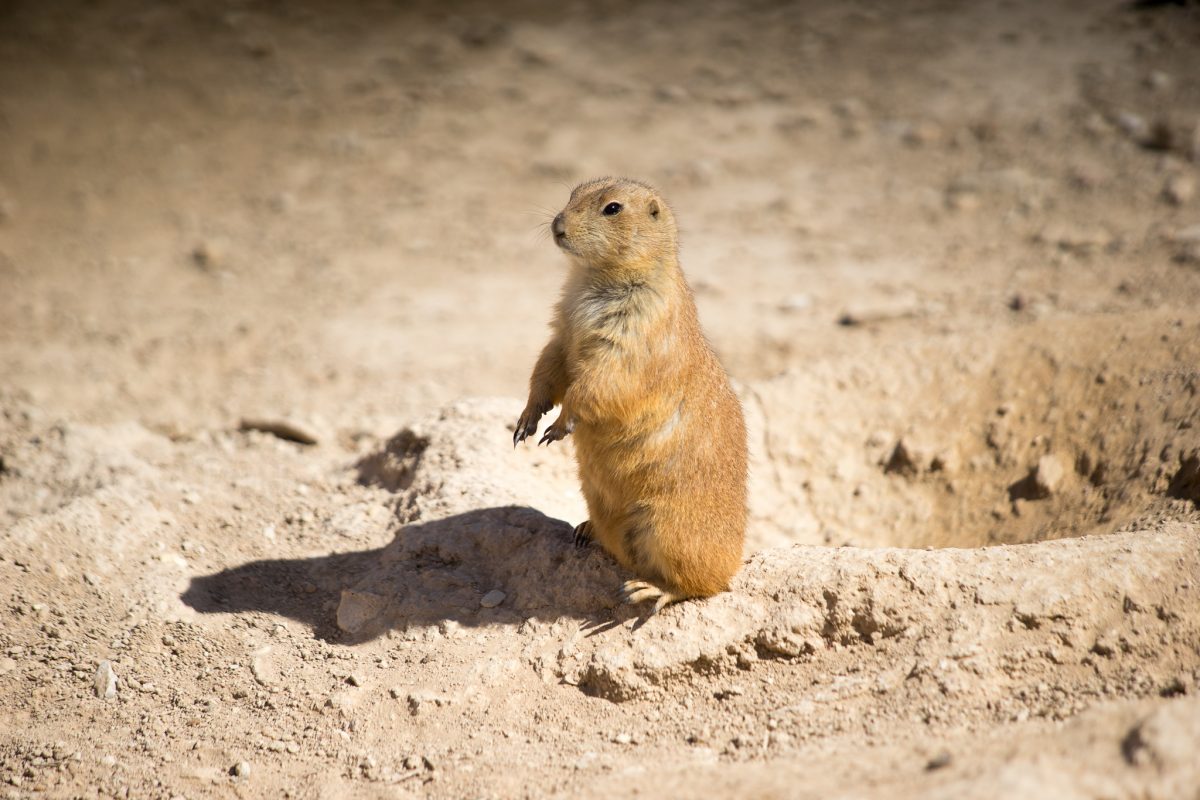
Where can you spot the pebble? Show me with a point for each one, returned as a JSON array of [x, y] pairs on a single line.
[[796, 303], [356, 610], [623, 738], [240, 769], [421, 699], [288, 429], [1048, 474], [105, 682], [207, 256], [354, 680], [1187, 243], [942, 759], [1158, 80], [1179, 189], [1134, 125], [492, 599], [262, 668], [1075, 239]]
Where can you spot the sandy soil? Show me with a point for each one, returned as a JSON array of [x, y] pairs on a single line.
[[949, 252]]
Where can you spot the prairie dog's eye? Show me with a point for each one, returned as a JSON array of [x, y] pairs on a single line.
[[612, 209]]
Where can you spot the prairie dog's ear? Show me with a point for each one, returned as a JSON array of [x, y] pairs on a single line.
[[654, 209]]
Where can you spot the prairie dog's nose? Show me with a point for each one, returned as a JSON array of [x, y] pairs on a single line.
[[559, 226]]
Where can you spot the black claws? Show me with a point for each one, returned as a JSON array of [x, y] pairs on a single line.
[[557, 432], [523, 430], [583, 534], [526, 426]]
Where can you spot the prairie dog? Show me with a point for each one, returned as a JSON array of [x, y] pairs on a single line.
[[659, 434]]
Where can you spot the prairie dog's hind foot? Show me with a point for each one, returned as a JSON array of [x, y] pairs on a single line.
[[583, 534], [636, 592]]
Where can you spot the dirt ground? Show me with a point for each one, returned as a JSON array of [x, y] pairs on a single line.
[[949, 252]]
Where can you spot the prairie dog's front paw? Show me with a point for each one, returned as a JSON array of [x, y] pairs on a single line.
[[527, 423], [560, 429]]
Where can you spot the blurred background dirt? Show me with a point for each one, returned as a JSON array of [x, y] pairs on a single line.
[[949, 252]]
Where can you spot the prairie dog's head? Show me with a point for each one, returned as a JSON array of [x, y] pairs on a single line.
[[616, 222]]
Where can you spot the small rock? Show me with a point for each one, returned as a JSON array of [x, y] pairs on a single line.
[[882, 310], [420, 700], [288, 429], [942, 759], [356, 610], [355, 680], [795, 303], [1106, 644], [207, 256], [7, 665], [492, 599], [1165, 740], [923, 133], [240, 770], [779, 739], [1048, 475], [1158, 80], [623, 738], [262, 668], [1133, 125], [1074, 239], [1179, 189], [1187, 243], [105, 682]]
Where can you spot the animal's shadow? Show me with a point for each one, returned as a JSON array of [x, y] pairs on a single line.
[[431, 573]]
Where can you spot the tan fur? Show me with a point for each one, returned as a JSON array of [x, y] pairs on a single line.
[[659, 434]]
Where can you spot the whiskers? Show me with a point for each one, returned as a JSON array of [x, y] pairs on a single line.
[[541, 232]]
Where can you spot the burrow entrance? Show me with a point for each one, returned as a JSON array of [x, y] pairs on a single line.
[[1054, 431]]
